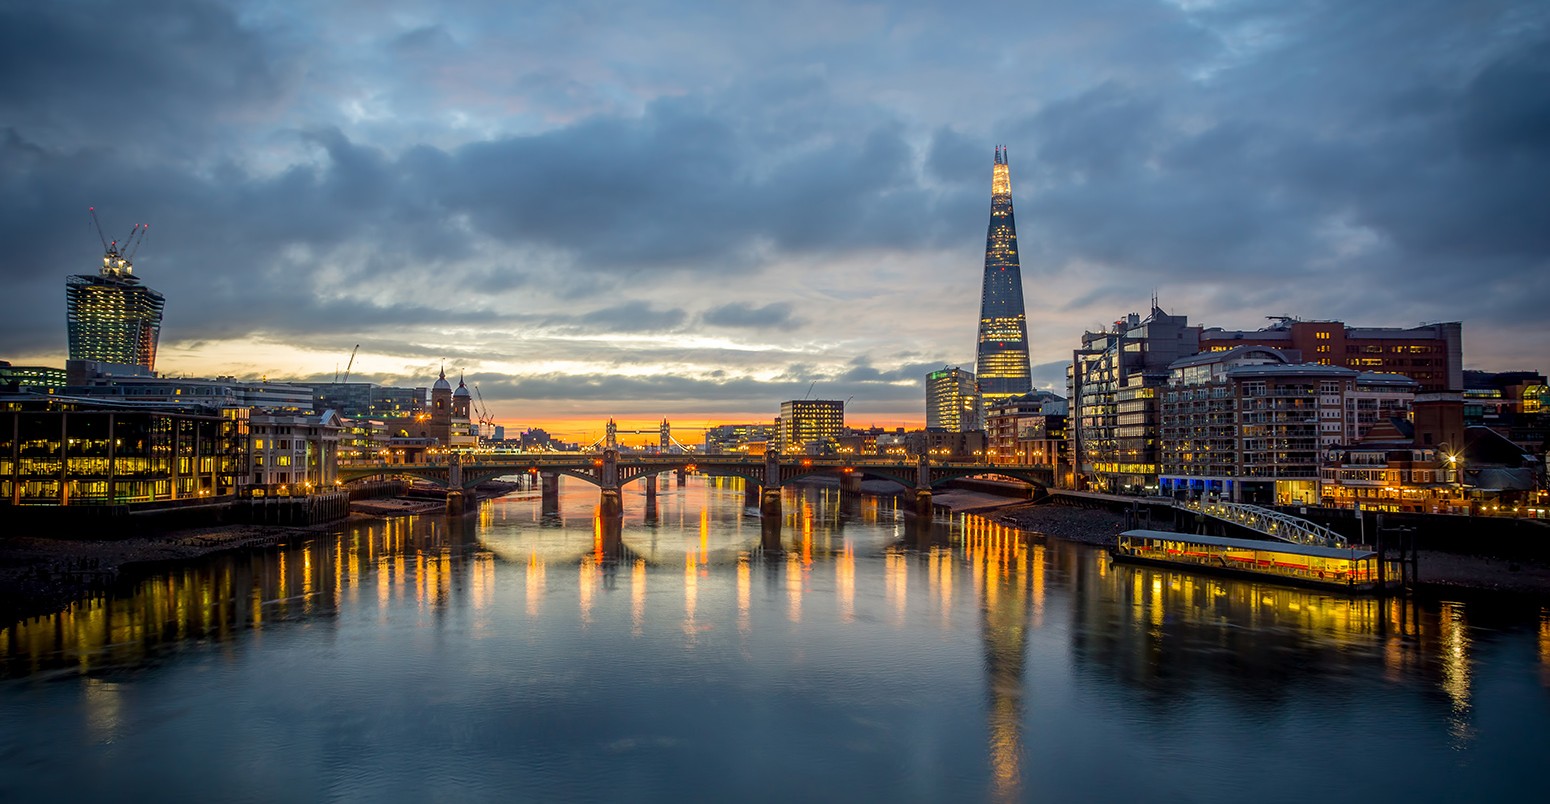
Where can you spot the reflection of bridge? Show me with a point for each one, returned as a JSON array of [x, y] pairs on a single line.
[[609, 471]]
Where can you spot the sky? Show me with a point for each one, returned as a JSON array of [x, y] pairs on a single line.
[[695, 210]]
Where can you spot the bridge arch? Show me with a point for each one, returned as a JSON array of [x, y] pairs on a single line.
[[435, 476], [1042, 478]]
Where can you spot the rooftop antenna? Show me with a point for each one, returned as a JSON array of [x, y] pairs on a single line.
[[809, 390]]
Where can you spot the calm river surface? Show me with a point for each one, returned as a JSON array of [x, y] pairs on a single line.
[[508, 656]]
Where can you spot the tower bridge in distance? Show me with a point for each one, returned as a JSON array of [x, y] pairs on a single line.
[[763, 476]]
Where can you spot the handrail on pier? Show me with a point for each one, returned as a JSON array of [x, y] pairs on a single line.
[[1270, 522]]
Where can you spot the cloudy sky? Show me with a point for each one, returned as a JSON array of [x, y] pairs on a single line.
[[698, 209]]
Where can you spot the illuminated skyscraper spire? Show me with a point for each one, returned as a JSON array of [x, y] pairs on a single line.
[[1002, 365]]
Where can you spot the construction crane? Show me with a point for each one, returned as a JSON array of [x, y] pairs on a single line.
[[98, 225], [351, 364], [136, 237], [117, 258], [482, 409]]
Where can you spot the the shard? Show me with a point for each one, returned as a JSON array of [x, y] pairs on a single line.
[[1002, 364]]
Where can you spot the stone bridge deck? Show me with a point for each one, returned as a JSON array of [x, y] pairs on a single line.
[[609, 470]]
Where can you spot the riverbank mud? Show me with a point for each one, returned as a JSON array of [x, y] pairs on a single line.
[[40, 575]]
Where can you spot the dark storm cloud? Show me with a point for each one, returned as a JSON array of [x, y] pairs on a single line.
[[1327, 159], [1437, 167], [133, 78]]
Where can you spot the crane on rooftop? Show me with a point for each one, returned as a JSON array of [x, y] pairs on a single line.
[[351, 364]]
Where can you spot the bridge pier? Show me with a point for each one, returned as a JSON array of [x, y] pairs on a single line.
[[549, 495], [457, 504], [850, 484], [769, 504], [651, 496], [683, 477], [750, 494], [610, 503], [923, 502]]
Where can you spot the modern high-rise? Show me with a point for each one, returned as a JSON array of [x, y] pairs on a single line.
[[1112, 386], [952, 404], [1002, 362], [809, 425], [113, 318]]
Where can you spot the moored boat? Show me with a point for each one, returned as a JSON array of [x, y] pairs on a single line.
[[1343, 569]]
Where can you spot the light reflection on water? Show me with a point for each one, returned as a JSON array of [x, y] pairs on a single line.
[[694, 653]]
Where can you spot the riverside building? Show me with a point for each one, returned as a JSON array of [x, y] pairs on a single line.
[[1430, 354], [809, 425], [1027, 430], [1112, 385], [1251, 425], [952, 403], [57, 450], [294, 453]]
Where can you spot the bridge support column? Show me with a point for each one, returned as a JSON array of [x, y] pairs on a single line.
[[457, 504], [610, 504], [850, 484], [651, 496], [769, 497], [923, 502], [683, 477], [549, 483], [769, 504], [750, 494]]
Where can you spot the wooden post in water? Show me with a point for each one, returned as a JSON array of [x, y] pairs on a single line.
[[1378, 531]]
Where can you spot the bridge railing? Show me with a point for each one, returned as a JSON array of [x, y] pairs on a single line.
[[1272, 523]]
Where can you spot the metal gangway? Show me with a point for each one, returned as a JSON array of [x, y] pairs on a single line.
[[1270, 522]]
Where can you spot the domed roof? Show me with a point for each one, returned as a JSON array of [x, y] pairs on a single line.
[[441, 382], [462, 390]]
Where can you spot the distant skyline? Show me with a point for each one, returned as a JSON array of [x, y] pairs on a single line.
[[698, 210]]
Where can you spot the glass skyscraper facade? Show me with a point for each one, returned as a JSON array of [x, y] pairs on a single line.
[[951, 401], [112, 317], [1002, 364]]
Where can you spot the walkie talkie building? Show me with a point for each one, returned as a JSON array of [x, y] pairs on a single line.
[[112, 317]]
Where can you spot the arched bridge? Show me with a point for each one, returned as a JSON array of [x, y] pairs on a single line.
[[609, 470]]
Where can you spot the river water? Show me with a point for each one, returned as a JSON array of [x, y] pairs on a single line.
[[517, 656]]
